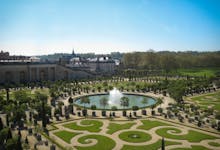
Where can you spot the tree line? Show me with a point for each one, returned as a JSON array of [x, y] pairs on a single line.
[[170, 60]]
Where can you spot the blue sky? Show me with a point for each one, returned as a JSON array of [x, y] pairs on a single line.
[[33, 27]]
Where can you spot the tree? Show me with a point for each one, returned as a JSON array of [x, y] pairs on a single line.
[[135, 108], [19, 113], [160, 101], [176, 90], [53, 93], [93, 107], [19, 144], [9, 135], [99, 88], [124, 101], [121, 88], [152, 109], [70, 100], [110, 87], [19, 132], [2, 102], [114, 108], [1, 124], [60, 104], [85, 100], [21, 96], [87, 88], [103, 102], [57, 111], [43, 100], [11, 144], [3, 136], [168, 62], [26, 140], [144, 100], [217, 115], [7, 94]]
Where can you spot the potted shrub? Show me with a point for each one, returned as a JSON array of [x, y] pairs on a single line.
[[143, 112], [93, 107], [135, 108], [124, 113], [160, 110]]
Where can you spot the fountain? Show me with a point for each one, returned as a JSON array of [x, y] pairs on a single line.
[[114, 97], [134, 136]]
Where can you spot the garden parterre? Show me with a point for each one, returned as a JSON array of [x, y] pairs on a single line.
[[131, 135]]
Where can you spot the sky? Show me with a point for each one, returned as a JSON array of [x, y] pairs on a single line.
[[36, 27]]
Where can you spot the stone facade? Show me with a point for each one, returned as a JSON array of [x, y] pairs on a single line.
[[34, 72], [104, 67]]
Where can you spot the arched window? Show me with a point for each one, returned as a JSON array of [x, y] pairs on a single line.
[[66, 75], [22, 77], [8, 76], [52, 72], [42, 75]]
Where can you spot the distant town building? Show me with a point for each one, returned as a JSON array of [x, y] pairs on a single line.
[[101, 64], [5, 57], [34, 59]]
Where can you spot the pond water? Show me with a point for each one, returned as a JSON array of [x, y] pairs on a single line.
[[114, 100]]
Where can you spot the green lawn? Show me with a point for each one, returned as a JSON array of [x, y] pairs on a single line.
[[149, 124], [44, 91], [154, 146], [103, 142], [114, 127], [192, 136], [122, 84], [214, 144], [193, 148], [135, 136], [30, 93], [65, 135], [86, 125], [11, 93], [208, 72], [206, 100]]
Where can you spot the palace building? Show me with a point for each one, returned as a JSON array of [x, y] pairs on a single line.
[[22, 69]]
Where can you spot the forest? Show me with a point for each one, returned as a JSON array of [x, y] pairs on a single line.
[[168, 61]]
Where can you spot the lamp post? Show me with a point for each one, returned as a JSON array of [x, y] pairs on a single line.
[[163, 144]]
